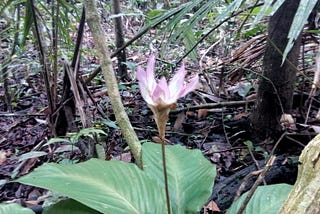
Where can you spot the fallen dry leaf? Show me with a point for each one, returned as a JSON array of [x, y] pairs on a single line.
[[3, 156], [181, 117], [212, 206], [202, 113]]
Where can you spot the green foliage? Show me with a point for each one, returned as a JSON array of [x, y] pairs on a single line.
[[182, 25], [70, 146], [262, 12], [190, 175], [32, 154], [186, 17], [66, 13], [266, 200], [4, 4], [28, 19], [109, 187], [14, 208], [69, 206], [258, 29], [74, 137], [298, 23], [118, 187]]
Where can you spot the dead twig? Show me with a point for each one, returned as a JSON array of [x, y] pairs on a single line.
[[256, 184], [212, 105], [245, 182]]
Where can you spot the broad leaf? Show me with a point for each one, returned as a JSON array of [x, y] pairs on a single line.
[[106, 186], [69, 206], [190, 175], [14, 208], [266, 200]]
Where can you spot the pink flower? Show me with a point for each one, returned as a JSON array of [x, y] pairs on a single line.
[[160, 93]]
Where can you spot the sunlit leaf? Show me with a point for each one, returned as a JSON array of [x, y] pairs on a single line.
[[266, 199], [106, 186], [14, 208], [190, 175]]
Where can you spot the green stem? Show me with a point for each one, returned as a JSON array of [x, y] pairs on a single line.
[[163, 149]]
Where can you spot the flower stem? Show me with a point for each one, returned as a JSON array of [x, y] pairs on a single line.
[[163, 148]]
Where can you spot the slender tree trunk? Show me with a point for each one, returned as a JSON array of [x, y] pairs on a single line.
[[109, 76], [276, 87], [121, 56]]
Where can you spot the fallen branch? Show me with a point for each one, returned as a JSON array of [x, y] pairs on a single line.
[[212, 105]]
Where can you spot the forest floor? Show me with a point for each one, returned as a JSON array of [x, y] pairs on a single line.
[[214, 119]]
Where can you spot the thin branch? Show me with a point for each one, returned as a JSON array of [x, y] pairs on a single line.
[[256, 184], [213, 105]]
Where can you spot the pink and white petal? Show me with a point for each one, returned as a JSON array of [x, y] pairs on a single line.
[[176, 83], [144, 85], [157, 92], [177, 80], [192, 85], [146, 95], [150, 68], [141, 76], [161, 90]]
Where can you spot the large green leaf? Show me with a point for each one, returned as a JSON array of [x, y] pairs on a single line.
[[14, 208], [106, 186], [190, 175], [266, 200], [69, 206]]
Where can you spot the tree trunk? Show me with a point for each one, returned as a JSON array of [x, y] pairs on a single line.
[[276, 87], [121, 56], [305, 195]]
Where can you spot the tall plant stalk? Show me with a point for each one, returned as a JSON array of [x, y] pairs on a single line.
[[165, 174]]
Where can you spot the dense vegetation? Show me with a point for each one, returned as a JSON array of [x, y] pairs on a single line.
[[158, 106]]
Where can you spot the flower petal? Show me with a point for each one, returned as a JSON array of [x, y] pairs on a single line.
[[143, 85], [176, 83], [150, 70], [161, 91], [190, 86], [141, 76]]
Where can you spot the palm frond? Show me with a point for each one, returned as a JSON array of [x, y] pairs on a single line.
[[298, 23]]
